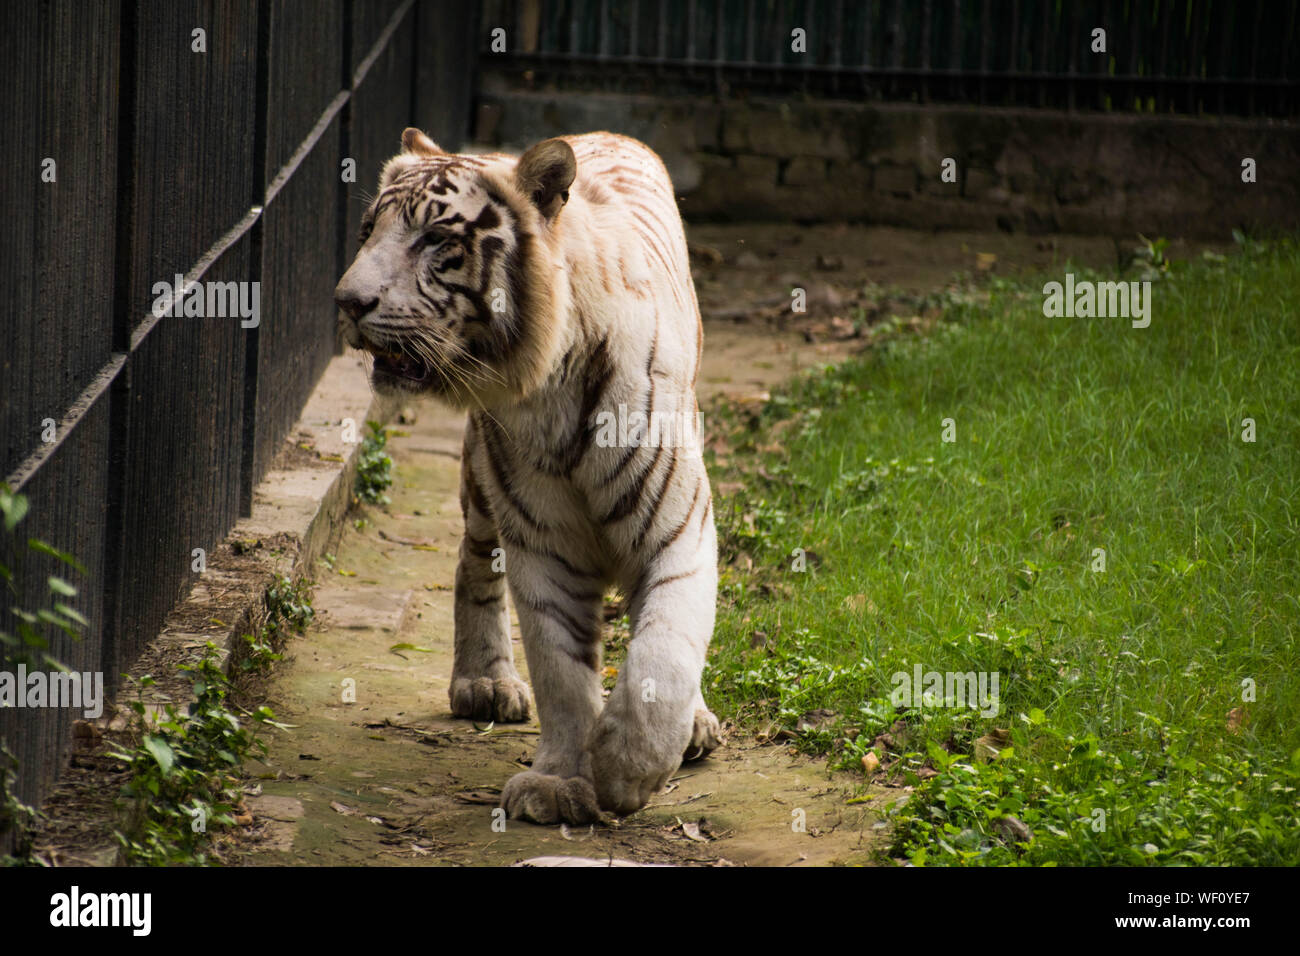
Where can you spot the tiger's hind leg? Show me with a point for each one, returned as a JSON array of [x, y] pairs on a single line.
[[484, 683]]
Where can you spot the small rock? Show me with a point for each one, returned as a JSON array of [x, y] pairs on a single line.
[[823, 295], [842, 328]]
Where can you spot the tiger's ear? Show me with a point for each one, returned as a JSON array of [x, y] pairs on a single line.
[[415, 142], [545, 173]]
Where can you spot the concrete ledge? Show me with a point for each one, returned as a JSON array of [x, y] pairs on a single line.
[[309, 500]]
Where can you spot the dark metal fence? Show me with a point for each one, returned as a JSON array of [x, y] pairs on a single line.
[[139, 438], [1234, 57]]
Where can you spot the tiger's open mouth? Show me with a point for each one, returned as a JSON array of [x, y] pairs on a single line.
[[413, 371]]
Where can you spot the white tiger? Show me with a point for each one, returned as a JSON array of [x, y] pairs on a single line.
[[549, 295]]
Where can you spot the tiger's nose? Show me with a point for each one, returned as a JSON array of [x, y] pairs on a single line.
[[355, 304]]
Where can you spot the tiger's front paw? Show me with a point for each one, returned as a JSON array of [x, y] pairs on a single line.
[[631, 760], [502, 699], [546, 798]]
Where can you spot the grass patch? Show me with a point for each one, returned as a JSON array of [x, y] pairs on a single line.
[[1098, 535]]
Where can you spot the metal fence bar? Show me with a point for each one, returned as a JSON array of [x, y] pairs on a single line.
[[151, 451], [1189, 55]]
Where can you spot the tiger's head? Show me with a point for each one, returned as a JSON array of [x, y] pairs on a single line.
[[455, 290]]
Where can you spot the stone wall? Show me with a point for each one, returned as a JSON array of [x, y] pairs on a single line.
[[1017, 170]]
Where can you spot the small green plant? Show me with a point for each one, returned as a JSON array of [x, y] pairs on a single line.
[[258, 653], [1151, 255], [16, 817], [28, 646], [374, 466], [288, 610], [185, 771], [288, 605]]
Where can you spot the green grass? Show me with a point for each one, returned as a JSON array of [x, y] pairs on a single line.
[[1116, 686]]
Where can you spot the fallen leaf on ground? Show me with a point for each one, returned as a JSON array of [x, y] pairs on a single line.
[[398, 539], [991, 744], [480, 797], [396, 648], [692, 831]]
